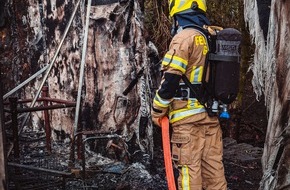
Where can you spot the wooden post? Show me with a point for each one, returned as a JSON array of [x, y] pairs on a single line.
[[3, 163]]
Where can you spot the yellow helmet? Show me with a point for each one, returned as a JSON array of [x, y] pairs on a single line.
[[178, 6]]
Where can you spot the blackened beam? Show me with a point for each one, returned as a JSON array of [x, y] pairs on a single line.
[[33, 168], [133, 82], [54, 100], [41, 108]]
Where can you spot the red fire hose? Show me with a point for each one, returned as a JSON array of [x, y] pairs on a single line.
[[167, 153]]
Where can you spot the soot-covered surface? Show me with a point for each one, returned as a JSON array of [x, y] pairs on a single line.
[[242, 159], [242, 166]]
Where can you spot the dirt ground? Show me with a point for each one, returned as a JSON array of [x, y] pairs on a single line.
[[243, 159]]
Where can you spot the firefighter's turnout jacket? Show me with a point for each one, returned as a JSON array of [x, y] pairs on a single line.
[[196, 138], [186, 55]]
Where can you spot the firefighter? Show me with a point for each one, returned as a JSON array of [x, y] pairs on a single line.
[[196, 139]]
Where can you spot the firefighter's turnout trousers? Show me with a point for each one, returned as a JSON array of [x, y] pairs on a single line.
[[197, 150]]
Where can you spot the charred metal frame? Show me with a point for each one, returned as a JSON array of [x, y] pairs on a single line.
[[47, 184], [47, 105], [62, 174], [81, 145], [50, 104]]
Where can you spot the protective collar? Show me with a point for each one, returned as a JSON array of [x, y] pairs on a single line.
[[192, 18], [189, 19]]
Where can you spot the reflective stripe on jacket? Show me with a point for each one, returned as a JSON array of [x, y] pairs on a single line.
[[186, 55]]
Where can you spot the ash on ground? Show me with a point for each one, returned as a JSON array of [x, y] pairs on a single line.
[[143, 172]]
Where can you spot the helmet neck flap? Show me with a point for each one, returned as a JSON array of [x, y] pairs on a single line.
[[192, 18]]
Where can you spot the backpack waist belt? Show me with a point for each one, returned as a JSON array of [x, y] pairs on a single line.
[[184, 92]]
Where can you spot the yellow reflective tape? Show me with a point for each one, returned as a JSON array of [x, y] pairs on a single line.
[[177, 111], [161, 102], [174, 57], [183, 113], [175, 62], [184, 61], [167, 59], [192, 74], [185, 178], [193, 103], [200, 74], [190, 103], [196, 74]]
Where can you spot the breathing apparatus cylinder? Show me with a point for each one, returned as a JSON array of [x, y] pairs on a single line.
[[226, 60]]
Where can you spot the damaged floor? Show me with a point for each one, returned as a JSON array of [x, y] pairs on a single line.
[[242, 160], [242, 167]]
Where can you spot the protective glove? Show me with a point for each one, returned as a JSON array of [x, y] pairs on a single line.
[[157, 121], [157, 114]]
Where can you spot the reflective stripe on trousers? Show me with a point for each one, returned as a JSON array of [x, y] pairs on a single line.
[[197, 151], [185, 178]]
